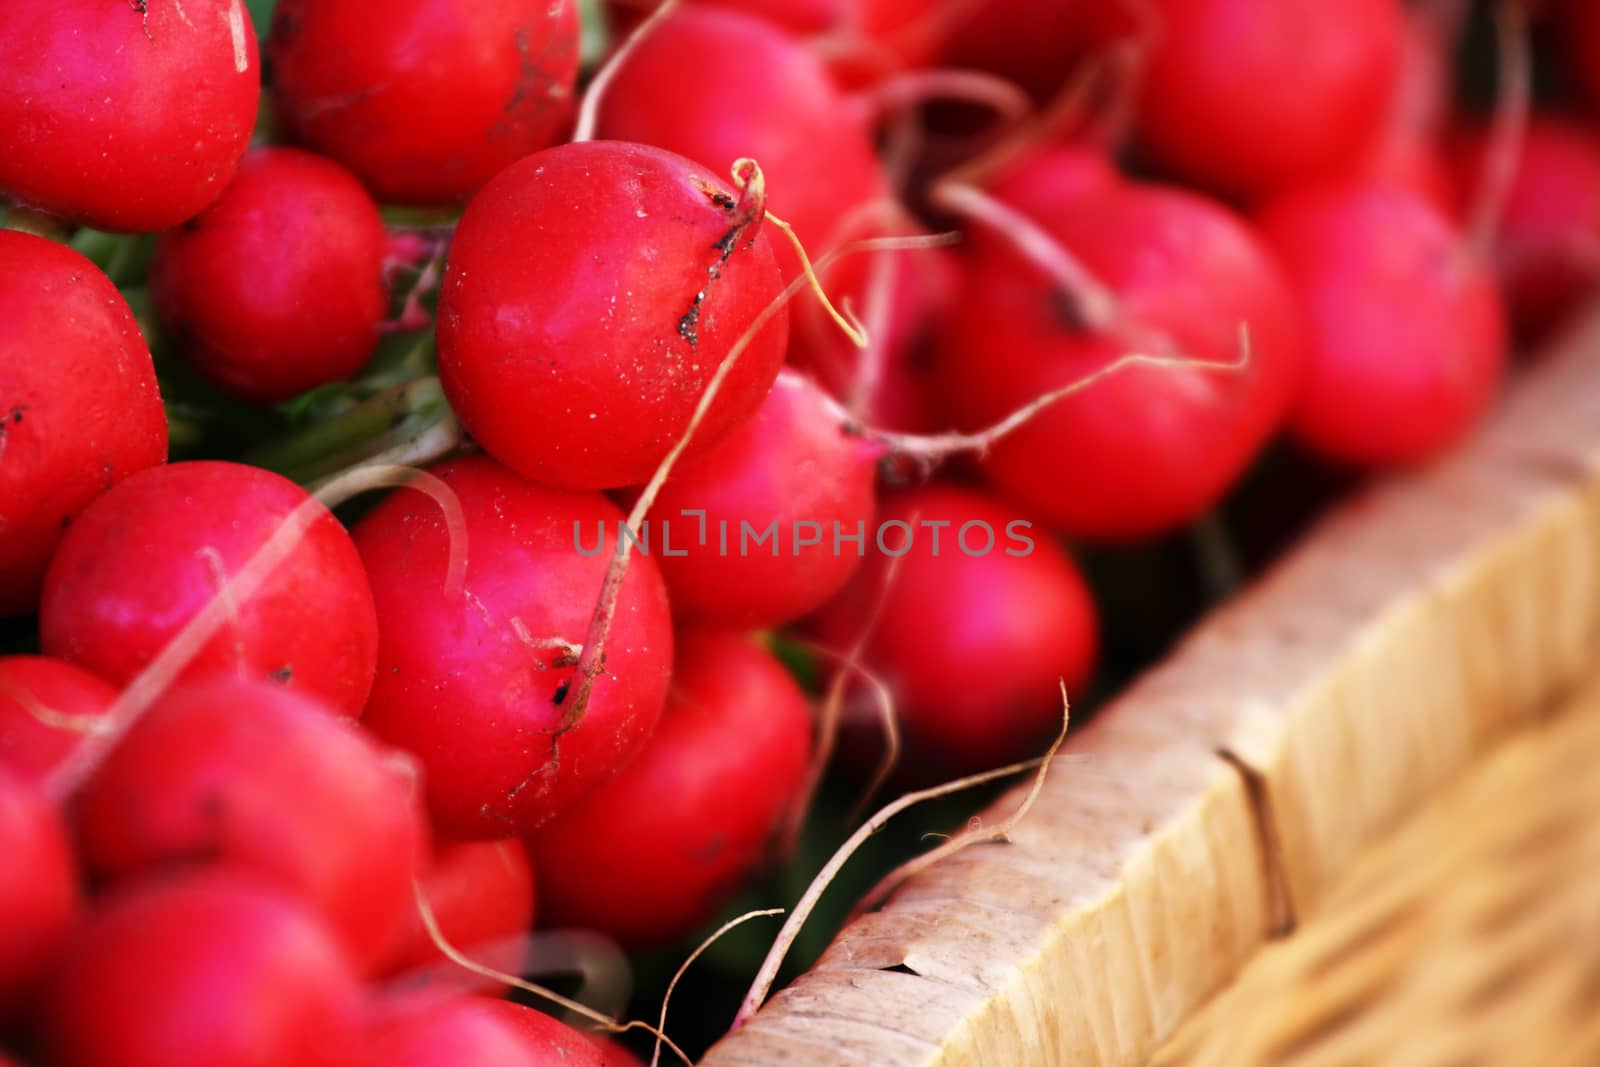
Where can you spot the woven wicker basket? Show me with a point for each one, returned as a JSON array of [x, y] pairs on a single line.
[[1350, 822]]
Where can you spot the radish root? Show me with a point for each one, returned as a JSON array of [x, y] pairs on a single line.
[[661, 1024], [589, 108], [1504, 156]]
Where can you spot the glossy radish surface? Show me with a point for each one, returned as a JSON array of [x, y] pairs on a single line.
[[475, 683], [1150, 447], [276, 288], [39, 894], [970, 632], [250, 776], [127, 117], [212, 968], [751, 533], [651, 854], [1406, 338], [481, 893], [591, 293], [425, 101], [144, 559], [46, 706], [79, 405]]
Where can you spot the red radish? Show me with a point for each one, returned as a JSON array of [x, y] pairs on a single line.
[[39, 895], [481, 892], [971, 632], [655, 851], [792, 468], [249, 775], [571, 1048], [1149, 448], [798, 17], [1035, 44], [1247, 98], [79, 407], [1407, 338], [1577, 25], [146, 557], [592, 292], [277, 287], [124, 116], [475, 1032], [424, 101], [46, 705], [1548, 247], [476, 685], [213, 968], [717, 86]]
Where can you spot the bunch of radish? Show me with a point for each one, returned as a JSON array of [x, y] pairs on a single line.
[[740, 378]]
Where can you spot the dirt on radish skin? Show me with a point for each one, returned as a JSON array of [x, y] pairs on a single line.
[[475, 685], [46, 706], [142, 560], [39, 894], [655, 851], [79, 405], [972, 644], [277, 287], [248, 775], [592, 291], [214, 968], [125, 117], [424, 101]]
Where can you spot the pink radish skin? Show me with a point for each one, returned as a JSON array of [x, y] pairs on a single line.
[[1033, 44], [1148, 448], [1018, 624], [480, 704], [79, 406], [654, 852], [123, 116], [1407, 335], [146, 557], [250, 776], [592, 291], [565, 1046], [39, 894], [462, 1032], [277, 287], [424, 101], [481, 892], [1246, 98], [29, 746], [715, 86], [792, 463], [213, 968]]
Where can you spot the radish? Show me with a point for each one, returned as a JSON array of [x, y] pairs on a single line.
[[476, 685], [592, 292], [1548, 247], [211, 968], [39, 894], [1246, 98], [477, 1032], [424, 101], [1407, 340], [566, 1047], [716, 86], [46, 705], [1173, 275], [1577, 25], [277, 287], [1036, 44], [960, 586], [792, 475], [144, 558], [651, 854], [249, 775], [79, 406], [124, 116], [480, 892]]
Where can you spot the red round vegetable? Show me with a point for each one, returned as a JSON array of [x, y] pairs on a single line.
[[481, 892], [39, 895], [592, 291], [424, 101], [128, 117], [566, 1047], [1407, 338], [79, 407], [211, 968], [980, 620], [476, 683], [249, 775], [45, 707], [277, 287], [655, 851], [146, 557]]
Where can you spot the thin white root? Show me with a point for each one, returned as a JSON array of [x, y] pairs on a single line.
[[661, 1024], [589, 107], [1510, 129]]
